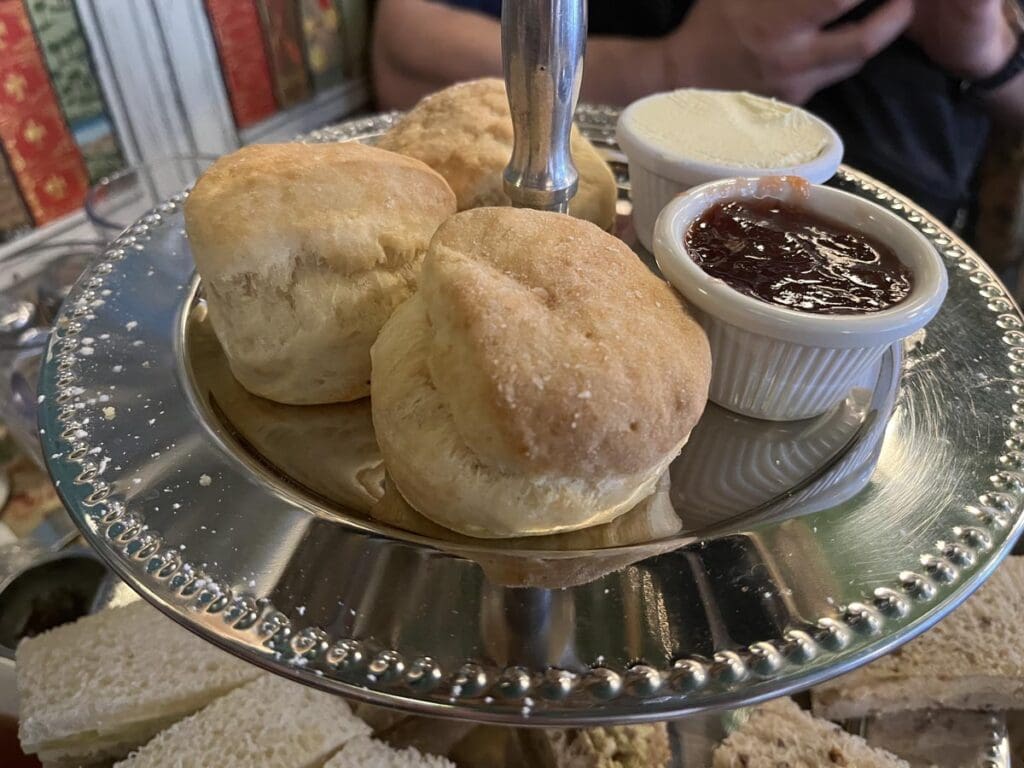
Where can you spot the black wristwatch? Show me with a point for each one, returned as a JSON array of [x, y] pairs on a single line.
[[1006, 73]]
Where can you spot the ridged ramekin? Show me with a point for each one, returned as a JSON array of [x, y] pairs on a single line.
[[776, 363], [657, 172]]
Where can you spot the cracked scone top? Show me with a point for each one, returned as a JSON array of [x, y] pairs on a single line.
[[305, 250], [464, 132], [540, 380]]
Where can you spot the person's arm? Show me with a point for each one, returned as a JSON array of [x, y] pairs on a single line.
[[421, 46], [784, 48], [973, 39], [1007, 103], [779, 49]]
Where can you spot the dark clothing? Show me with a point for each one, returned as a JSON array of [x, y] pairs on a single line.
[[903, 121], [901, 118]]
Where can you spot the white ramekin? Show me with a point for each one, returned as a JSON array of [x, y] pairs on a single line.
[[732, 464], [657, 172], [775, 363]]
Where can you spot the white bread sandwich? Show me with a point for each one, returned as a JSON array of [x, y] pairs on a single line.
[[370, 753], [305, 250], [489, 746], [109, 682], [540, 380], [270, 723], [940, 738], [621, 746], [973, 659], [779, 733], [465, 133]]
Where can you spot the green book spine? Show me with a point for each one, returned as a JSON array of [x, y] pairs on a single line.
[[355, 30], [322, 32], [282, 29], [14, 217], [67, 58]]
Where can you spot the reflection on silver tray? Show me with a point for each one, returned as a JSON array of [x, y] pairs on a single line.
[[895, 507], [733, 469]]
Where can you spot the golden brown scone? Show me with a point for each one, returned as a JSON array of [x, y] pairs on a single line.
[[465, 133], [305, 250], [540, 380]]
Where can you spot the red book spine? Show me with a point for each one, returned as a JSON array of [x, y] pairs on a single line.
[[46, 162], [283, 30], [243, 59]]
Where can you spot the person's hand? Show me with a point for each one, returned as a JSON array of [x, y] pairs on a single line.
[[967, 38], [779, 48]]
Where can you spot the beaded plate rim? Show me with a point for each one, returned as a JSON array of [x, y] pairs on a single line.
[[251, 627]]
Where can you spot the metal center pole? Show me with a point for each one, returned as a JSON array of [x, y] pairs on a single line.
[[542, 47]]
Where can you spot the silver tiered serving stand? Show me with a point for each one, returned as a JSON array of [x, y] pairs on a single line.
[[777, 556]]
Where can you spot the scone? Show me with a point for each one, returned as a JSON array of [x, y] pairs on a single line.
[[305, 250], [329, 449], [465, 133], [540, 380], [644, 531]]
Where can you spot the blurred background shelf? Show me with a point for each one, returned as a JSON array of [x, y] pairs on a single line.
[[119, 83], [316, 113]]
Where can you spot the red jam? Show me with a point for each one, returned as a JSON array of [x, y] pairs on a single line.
[[784, 255]]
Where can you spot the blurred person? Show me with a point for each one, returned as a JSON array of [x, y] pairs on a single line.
[[909, 84]]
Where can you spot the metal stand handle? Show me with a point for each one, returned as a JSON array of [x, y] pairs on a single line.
[[542, 46]]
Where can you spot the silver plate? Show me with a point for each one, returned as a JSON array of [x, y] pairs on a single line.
[[796, 553]]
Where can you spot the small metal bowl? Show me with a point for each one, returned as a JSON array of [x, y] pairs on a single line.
[[40, 591]]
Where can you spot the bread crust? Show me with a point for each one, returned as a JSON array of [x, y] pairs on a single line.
[[616, 746], [354, 206], [80, 712], [561, 351], [541, 379], [305, 250], [948, 667], [780, 733], [465, 133]]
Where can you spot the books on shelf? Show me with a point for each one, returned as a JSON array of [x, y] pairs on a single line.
[[321, 30], [66, 54], [243, 59], [355, 30], [47, 164], [57, 127], [282, 29]]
